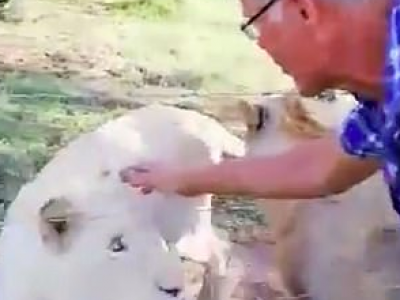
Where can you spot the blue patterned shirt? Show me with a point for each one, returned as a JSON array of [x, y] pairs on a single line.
[[372, 128]]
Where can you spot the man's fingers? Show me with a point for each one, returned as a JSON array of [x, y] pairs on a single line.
[[128, 173], [147, 190], [135, 177]]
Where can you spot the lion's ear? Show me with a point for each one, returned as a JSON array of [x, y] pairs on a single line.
[[57, 216], [299, 122]]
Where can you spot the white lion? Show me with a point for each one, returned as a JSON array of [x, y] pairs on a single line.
[[76, 232]]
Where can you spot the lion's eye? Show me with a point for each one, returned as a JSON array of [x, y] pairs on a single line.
[[263, 115], [117, 244]]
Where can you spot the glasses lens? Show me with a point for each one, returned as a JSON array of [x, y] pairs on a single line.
[[251, 32]]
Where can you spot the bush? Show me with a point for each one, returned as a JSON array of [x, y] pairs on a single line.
[[145, 9], [37, 118]]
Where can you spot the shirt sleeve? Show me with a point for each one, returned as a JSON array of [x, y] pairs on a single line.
[[357, 134]]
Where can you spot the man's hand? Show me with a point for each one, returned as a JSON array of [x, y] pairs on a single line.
[[155, 177]]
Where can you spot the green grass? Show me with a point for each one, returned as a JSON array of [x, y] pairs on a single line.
[[145, 9], [35, 126]]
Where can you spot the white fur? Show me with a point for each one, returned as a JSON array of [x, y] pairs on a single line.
[[107, 207], [321, 244]]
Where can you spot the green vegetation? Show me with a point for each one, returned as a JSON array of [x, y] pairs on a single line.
[[145, 9], [37, 118]]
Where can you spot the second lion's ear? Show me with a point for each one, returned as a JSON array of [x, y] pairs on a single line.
[[299, 122]]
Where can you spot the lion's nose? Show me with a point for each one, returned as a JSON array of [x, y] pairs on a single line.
[[173, 292]]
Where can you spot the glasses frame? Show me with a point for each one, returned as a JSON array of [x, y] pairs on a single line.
[[246, 26]]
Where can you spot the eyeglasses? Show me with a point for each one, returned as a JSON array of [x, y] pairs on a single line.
[[248, 28]]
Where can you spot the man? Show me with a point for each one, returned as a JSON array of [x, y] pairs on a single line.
[[323, 44]]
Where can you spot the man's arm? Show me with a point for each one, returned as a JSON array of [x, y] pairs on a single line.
[[313, 169]]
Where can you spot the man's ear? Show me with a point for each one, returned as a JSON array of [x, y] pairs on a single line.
[[308, 10]]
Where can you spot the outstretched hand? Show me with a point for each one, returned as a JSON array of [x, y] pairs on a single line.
[[149, 178]]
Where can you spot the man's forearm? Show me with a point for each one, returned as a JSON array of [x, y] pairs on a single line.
[[313, 169], [280, 177]]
